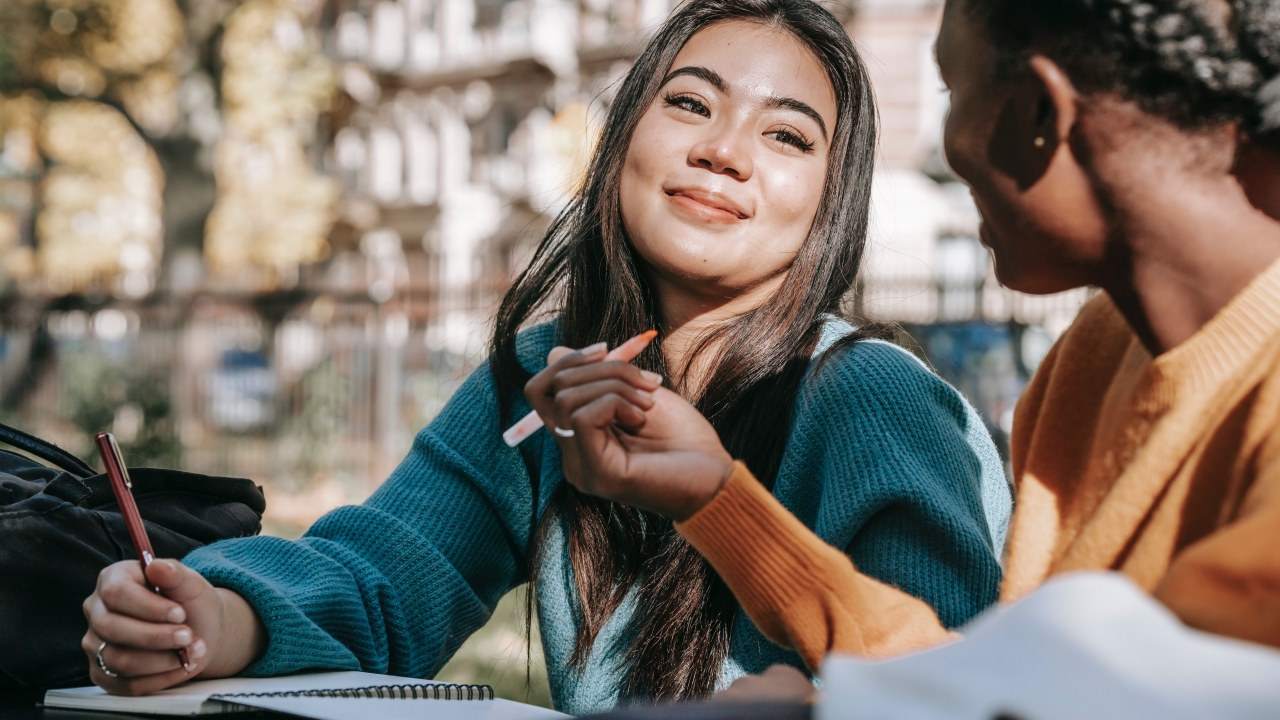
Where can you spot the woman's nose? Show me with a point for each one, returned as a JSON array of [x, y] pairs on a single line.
[[725, 152]]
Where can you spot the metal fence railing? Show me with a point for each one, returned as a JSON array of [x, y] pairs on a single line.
[[303, 392], [316, 393], [925, 300]]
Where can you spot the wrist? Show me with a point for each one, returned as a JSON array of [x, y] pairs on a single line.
[[241, 636], [727, 464], [712, 477]]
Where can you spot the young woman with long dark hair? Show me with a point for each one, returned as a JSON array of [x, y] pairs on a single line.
[[1131, 145], [726, 206]]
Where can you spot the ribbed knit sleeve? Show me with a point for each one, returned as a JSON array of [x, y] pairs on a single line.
[[889, 464], [885, 461], [397, 584], [799, 591]]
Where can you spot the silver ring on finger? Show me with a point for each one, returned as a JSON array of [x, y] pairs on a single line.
[[102, 665], [563, 432]]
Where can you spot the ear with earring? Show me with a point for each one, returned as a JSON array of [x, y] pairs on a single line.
[[1039, 142]]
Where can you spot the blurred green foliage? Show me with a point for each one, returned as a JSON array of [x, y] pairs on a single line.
[[311, 437], [129, 400]]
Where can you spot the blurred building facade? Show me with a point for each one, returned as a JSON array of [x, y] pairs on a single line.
[[466, 125], [467, 135], [266, 237]]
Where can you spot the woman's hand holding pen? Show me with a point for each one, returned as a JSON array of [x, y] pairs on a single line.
[[219, 629], [632, 441]]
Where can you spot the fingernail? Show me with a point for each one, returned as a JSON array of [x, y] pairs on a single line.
[[177, 615], [197, 650], [646, 395], [652, 377], [595, 349], [182, 637]]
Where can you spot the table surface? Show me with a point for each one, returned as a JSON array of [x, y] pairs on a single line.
[[25, 706]]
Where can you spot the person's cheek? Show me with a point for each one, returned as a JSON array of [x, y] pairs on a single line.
[[955, 151], [658, 155], [792, 201], [964, 140], [638, 182]]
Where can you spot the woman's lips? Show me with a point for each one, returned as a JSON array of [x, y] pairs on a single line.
[[705, 206]]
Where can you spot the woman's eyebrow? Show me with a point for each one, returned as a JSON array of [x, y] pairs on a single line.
[[710, 76], [713, 78], [787, 103]]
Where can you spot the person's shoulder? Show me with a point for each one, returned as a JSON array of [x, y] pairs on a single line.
[[534, 342], [1098, 314], [1098, 330], [871, 364], [1088, 354], [905, 432], [479, 391], [872, 380], [1262, 431]]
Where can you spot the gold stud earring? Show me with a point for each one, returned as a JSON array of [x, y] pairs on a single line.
[[1039, 142]]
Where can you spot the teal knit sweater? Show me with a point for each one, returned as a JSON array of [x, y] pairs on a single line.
[[885, 460]]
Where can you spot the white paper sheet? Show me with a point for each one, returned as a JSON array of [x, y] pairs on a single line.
[[1086, 646]]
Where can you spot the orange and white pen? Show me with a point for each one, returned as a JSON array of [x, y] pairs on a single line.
[[626, 352]]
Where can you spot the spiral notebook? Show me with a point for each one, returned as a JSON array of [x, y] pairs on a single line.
[[330, 696]]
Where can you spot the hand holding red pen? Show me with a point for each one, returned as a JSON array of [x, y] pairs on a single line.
[[626, 438], [220, 630], [155, 623]]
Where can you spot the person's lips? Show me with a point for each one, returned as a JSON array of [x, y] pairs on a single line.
[[706, 205]]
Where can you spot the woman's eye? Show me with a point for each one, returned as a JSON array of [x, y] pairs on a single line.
[[792, 138], [686, 102]]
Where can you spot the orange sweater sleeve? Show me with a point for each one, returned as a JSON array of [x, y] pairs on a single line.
[[801, 592]]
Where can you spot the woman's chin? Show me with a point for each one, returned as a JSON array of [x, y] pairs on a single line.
[[1012, 276], [688, 257], [711, 264], [702, 275], [1023, 280]]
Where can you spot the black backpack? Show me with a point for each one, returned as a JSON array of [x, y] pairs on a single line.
[[60, 527]]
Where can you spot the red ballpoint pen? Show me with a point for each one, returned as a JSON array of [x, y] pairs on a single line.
[[122, 487]]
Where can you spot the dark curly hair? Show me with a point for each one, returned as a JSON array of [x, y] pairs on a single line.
[[1194, 62]]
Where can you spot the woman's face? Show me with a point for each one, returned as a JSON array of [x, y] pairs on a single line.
[[726, 168]]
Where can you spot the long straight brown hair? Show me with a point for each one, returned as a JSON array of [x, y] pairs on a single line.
[[585, 266]]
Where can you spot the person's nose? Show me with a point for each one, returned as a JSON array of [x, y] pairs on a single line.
[[726, 150]]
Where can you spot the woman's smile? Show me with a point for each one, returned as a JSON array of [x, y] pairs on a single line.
[[707, 206]]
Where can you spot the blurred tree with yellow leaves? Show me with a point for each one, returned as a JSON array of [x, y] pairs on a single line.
[[81, 81], [104, 103], [274, 210]]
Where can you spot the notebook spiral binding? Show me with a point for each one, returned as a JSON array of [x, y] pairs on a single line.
[[435, 691]]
